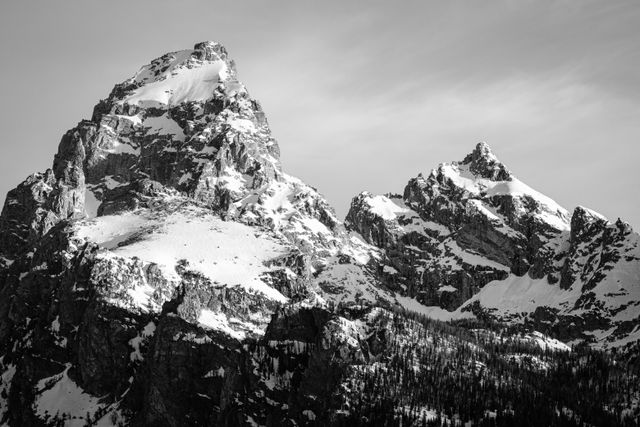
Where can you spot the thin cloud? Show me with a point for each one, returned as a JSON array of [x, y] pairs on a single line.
[[374, 92]]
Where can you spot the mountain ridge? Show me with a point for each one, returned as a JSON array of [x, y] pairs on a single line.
[[166, 261], [470, 224]]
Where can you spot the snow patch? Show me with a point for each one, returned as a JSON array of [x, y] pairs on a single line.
[[433, 312], [219, 322], [547, 343], [242, 125], [226, 252], [164, 125], [117, 147], [59, 395], [136, 341], [522, 294], [179, 83], [551, 212], [91, 203], [384, 207]]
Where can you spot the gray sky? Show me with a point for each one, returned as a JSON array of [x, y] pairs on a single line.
[[360, 95]]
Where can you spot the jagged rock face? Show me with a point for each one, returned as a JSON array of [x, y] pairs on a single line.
[[165, 234], [32, 209], [166, 271], [183, 121], [464, 225], [471, 237]]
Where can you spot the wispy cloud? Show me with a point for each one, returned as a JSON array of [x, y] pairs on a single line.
[[363, 95]]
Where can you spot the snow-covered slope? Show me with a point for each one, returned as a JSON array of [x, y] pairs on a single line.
[[472, 238], [167, 271], [170, 203], [183, 136]]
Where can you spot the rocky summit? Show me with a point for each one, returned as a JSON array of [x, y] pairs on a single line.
[[474, 240], [167, 272]]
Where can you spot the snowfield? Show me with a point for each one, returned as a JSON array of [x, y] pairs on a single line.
[[228, 253], [185, 79], [384, 207], [550, 211], [60, 396]]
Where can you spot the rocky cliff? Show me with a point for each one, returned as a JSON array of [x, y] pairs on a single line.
[[166, 271], [165, 220], [472, 238]]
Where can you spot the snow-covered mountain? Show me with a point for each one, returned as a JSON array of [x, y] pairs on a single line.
[[472, 239], [169, 202], [166, 271], [177, 172]]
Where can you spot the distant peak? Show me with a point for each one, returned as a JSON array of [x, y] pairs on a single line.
[[483, 149], [583, 220], [484, 163], [586, 215], [211, 51], [208, 44]]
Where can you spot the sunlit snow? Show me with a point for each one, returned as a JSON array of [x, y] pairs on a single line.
[[384, 207], [179, 83], [551, 212], [60, 395], [228, 253]]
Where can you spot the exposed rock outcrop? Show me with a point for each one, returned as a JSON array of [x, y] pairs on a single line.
[[471, 237], [164, 236], [166, 271]]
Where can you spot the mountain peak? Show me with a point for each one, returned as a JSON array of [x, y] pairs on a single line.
[[212, 46], [483, 148], [183, 121], [189, 75], [592, 215], [167, 238], [212, 51], [584, 219], [485, 164]]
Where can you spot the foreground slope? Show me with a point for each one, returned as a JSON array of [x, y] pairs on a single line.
[[473, 239]]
